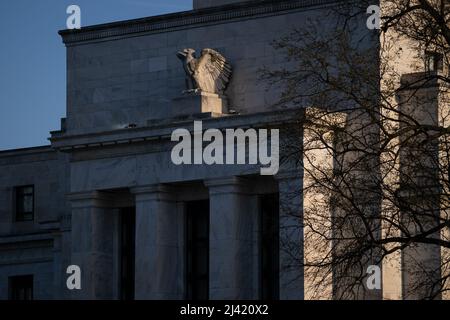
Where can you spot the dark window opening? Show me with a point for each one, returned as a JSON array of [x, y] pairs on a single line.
[[21, 287], [269, 244], [127, 253], [24, 203], [197, 250], [433, 62]]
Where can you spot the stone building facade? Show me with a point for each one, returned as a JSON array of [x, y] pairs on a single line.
[[105, 195]]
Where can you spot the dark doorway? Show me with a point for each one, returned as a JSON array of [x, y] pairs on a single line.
[[127, 252], [197, 250], [269, 245], [21, 287]]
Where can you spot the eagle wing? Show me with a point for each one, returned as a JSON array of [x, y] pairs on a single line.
[[213, 72]]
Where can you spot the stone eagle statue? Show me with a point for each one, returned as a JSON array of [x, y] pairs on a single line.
[[209, 73]]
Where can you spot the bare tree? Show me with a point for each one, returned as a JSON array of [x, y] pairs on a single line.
[[375, 148]]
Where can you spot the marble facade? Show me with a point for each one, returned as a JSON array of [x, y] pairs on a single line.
[[124, 99]]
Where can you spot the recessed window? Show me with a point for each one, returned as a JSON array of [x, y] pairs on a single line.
[[25, 203], [269, 246], [127, 253], [433, 61], [21, 287], [197, 250]]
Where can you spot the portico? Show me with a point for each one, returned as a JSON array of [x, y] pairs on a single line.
[[161, 239]]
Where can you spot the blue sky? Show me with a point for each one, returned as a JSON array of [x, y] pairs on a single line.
[[32, 60]]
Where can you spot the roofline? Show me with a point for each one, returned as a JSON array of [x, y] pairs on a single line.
[[165, 22], [26, 151]]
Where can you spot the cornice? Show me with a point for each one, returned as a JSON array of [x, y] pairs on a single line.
[[26, 151], [69, 143], [27, 155], [185, 19]]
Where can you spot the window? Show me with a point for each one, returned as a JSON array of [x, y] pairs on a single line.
[[21, 287], [269, 247], [25, 203], [127, 252], [197, 250], [433, 62]]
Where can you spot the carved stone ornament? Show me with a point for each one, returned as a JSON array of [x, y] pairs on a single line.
[[210, 73]]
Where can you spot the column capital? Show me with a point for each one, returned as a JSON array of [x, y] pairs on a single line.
[[90, 199], [151, 188], [231, 184], [225, 181], [153, 192]]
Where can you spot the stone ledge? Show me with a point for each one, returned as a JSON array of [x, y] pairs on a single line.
[[26, 151], [183, 118], [417, 80], [33, 240], [68, 143], [200, 4]]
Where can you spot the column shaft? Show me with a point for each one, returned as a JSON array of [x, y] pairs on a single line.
[[92, 246], [159, 245], [233, 241]]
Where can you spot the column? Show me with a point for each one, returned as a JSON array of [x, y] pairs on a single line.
[[291, 236], [159, 262], [92, 245], [233, 244]]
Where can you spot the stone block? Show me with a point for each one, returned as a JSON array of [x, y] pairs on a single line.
[[199, 102], [157, 64]]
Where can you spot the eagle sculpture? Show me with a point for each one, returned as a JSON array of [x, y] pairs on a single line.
[[209, 73]]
